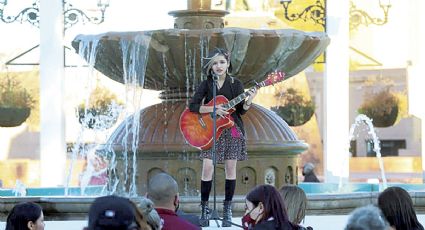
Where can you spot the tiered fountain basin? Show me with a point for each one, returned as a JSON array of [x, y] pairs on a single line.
[[171, 61], [172, 58], [323, 199]]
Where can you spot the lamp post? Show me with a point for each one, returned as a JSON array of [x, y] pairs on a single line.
[[30, 14], [74, 15], [315, 12], [360, 17], [71, 14]]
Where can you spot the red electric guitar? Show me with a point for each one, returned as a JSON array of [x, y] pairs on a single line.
[[197, 128]]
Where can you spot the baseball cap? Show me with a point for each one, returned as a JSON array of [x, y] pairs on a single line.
[[112, 212]]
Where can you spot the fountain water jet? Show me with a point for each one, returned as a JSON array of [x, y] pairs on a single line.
[[361, 118]]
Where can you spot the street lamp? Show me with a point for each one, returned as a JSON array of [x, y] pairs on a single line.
[[74, 15], [30, 14], [315, 12], [360, 17], [71, 14]]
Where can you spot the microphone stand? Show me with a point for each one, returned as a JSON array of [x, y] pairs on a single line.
[[214, 212]]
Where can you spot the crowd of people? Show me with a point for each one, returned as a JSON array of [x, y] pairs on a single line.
[[266, 208]]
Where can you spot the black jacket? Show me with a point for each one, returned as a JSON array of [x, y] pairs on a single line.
[[271, 225], [229, 90]]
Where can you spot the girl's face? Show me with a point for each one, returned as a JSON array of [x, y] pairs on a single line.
[[220, 65], [38, 225], [254, 212]]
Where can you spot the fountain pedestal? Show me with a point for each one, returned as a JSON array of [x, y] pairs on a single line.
[[272, 146]]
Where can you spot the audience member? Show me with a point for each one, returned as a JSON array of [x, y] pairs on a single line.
[[163, 191], [141, 219], [367, 218], [295, 202], [193, 219], [145, 208], [25, 216], [308, 173], [264, 209], [112, 213], [397, 206]]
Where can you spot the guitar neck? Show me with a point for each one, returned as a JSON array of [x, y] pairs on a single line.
[[272, 78], [238, 99]]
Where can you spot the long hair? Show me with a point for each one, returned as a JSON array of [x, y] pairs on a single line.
[[272, 202], [397, 206], [208, 61], [21, 214], [295, 202]]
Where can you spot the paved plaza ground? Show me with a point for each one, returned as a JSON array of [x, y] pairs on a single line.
[[317, 222]]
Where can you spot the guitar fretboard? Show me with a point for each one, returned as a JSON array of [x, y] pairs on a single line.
[[237, 99], [271, 79]]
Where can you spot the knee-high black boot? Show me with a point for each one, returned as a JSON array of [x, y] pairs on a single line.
[[227, 203], [204, 220], [227, 213]]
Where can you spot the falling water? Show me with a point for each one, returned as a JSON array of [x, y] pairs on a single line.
[[20, 189], [134, 55], [87, 47], [361, 118], [134, 65]]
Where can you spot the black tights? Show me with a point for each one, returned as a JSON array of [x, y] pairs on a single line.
[[229, 187]]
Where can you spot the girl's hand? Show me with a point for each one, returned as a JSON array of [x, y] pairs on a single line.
[[252, 93], [220, 111]]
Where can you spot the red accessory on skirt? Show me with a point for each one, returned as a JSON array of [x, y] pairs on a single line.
[[235, 132]]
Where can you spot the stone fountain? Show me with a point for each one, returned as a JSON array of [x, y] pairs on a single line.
[[170, 61]]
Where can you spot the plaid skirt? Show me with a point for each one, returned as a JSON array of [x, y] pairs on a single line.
[[228, 147]]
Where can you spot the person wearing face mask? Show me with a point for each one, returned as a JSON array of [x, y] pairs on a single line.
[[163, 191], [230, 146], [264, 210]]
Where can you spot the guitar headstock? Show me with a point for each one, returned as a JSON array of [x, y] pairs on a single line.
[[273, 77]]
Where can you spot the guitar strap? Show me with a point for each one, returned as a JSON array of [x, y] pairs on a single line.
[[232, 79], [231, 86]]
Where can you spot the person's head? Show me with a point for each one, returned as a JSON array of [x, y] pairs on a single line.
[[397, 206], [140, 218], [263, 202], [367, 218], [295, 202], [163, 191], [217, 62], [25, 216], [112, 212], [147, 214], [308, 168]]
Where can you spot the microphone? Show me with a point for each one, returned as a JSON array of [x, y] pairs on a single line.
[[214, 76]]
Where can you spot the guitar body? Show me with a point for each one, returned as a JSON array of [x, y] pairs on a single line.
[[197, 128]]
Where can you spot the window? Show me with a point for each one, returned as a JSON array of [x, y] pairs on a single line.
[[388, 147], [353, 148]]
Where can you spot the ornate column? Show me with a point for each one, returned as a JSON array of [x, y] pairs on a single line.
[[415, 69], [52, 117], [336, 91]]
